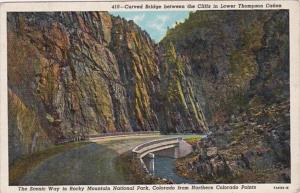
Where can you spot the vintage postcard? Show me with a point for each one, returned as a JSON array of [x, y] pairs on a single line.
[[150, 96]]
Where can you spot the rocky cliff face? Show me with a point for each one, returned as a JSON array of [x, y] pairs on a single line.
[[228, 56], [239, 65], [81, 73], [139, 72], [179, 95], [70, 71], [73, 74]]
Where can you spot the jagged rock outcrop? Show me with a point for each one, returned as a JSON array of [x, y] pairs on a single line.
[[65, 69], [253, 147], [181, 109], [66, 74], [85, 73], [138, 66], [240, 61], [229, 60], [73, 74], [28, 135]]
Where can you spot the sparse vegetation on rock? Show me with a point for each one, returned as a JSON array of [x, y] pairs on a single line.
[[74, 74]]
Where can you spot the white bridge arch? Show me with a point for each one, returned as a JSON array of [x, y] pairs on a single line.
[[174, 147]]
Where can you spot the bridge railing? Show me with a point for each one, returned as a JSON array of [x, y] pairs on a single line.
[[69, 140], [88, 137], [122, 133], [138, 148]]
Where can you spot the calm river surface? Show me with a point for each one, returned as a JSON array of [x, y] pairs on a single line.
[[164, 167]]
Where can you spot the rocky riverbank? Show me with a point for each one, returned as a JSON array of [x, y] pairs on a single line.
[[251, 148]]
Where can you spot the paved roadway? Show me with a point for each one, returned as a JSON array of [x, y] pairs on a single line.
[[91, 164]]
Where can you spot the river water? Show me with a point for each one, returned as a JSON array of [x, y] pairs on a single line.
[[164, 167]]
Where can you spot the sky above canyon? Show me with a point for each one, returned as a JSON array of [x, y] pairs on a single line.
[[155, 23]]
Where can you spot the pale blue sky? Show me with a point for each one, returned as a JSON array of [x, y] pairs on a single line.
[[154, 22]]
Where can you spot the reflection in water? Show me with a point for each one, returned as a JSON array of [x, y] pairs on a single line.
[[164, 167]]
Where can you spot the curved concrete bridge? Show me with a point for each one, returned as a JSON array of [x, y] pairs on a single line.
[[174, 147], [95, 162]]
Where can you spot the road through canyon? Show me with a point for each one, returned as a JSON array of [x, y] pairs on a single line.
[[91, 164]]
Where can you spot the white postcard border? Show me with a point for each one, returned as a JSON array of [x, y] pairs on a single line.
[[294, 14]]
